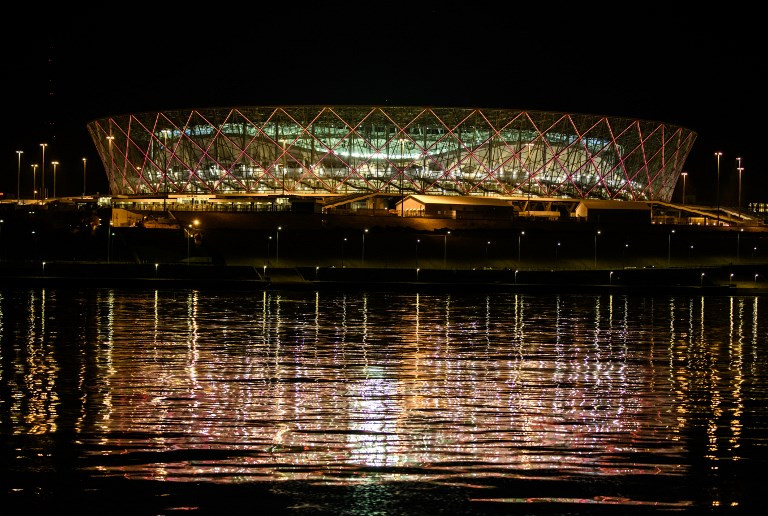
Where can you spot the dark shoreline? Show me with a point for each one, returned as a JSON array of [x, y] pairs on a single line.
[[722, 280]]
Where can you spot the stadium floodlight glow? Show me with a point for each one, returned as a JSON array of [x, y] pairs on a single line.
[[339, 150]]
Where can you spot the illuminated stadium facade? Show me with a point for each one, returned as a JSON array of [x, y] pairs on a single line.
[[338, 150]]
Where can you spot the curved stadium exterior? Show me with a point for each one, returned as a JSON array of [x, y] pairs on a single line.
[[337, 150]]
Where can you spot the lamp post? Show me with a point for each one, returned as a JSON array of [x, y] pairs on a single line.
[[701, 284], [557, 249], [516, 271], [54, 163], [109, 242], [189, 233], [521, 234], [624, 256], [362, 249], [717, 155], [596, 234], [738, 244], [756, 275], [740, 169], [18, 177], [610, 278], [343, 241], [277, 246], [669, 248], [84, 160], [269, 242], [684, 174], [34, 181], [488, 243], [42, 171], [445, 248], [417, 253]]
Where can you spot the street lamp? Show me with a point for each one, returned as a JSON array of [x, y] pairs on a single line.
[[623, 256], [557, 248], [42, 171], [717, 155], [740, 169], [362, 251], [685, 175], [521, 234], [598, 233], [730, 280], [701, 284], [18, 177], [269, 242], [488, 243], [189, 233], [445, 248], [738, 244], [516, 271], [610, 278], [669, 248], [54, 163], [84, 160], [34, 181], [343, 241], [417, 253], [756, 275], [277, 246]]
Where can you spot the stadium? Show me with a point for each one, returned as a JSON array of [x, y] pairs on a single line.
[[331, 151]]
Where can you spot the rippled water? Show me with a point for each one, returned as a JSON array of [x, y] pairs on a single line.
[[381, 403]]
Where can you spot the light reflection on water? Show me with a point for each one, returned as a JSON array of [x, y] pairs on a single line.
[[342, 388]]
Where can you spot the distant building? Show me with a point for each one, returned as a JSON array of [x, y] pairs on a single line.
[[328, 151]]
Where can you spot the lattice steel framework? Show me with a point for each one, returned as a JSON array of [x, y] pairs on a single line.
[[349, 149]]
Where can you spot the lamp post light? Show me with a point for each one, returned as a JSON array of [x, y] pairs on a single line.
[[701, 283], [690, 250], [669, 248], [84, 160], [730, 280], [277, 246], [156, 265], [738, 245], [189, 233], [756, 275], [519, 242], [487, 244], [740, 169], [516, 271], [343, 241], [624, 256], [557, 249], [18, 177], [362, 249], [685, 175], [269, 242], [109, 241], [54, 163], [417, 253], [34, 181], [596, 234], [717, 155], [42, 171], [610, 278], [316, 271], [445, 248]]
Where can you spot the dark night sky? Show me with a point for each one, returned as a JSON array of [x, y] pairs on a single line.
[[63, 69]]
